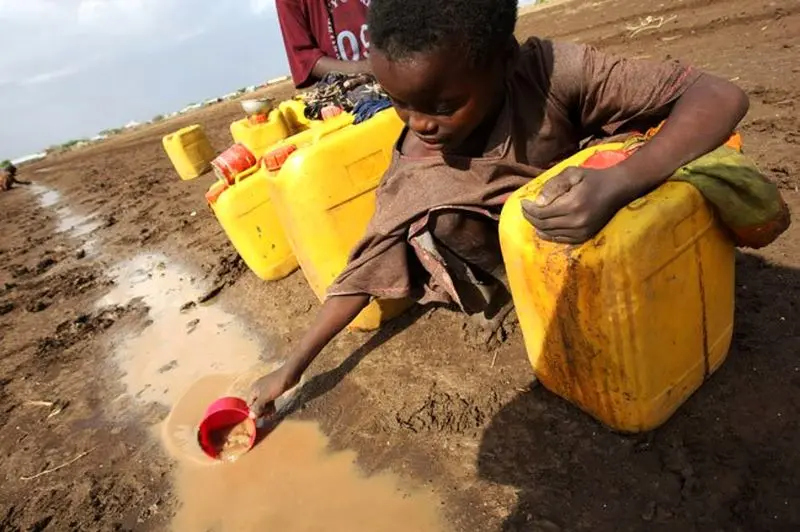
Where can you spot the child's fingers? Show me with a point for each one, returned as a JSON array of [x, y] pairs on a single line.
[[557, 208], [548, 224], [559, 185]]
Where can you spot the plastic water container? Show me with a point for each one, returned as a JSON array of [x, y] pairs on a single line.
[[259, 135], [629, 324], [245, 212], [324, 194], [189, 151], [294, 113]]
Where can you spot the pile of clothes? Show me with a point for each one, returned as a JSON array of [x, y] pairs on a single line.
[[359, 94]]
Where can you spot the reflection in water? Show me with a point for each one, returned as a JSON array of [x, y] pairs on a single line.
[[77, 225], [68, 221]]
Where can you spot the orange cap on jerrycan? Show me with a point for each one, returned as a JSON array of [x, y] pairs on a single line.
[[275, 159], [215, 191]]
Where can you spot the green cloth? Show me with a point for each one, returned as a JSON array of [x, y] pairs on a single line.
[[746, 202]]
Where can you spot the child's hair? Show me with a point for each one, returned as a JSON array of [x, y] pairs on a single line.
[[481, 28], [11, 169]]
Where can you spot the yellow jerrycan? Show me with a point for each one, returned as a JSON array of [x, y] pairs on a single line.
[[259, 132], [324, 193], [294, 112], [189, 151], [246, 214], [629, 324]]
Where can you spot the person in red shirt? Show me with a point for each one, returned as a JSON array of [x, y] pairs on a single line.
[[323, 36]]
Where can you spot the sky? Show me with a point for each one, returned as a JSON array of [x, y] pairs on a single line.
[[71, 68]]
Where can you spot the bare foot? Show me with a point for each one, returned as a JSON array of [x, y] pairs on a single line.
[[486, 329]]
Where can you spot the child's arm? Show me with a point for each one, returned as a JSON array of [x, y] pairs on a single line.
[[326, 65], [576, 204], [336, 313]]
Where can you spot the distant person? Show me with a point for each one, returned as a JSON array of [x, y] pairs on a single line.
[[324, 36], [8, 178]]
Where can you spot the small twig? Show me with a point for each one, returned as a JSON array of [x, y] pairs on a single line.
[[40, 403], [649, 23], [494, 358], [54, 469]]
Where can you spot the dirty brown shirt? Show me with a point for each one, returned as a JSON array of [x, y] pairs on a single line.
[[6, 180], [558, 95]]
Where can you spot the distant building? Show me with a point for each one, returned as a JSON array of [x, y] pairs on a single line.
[[28, 158]]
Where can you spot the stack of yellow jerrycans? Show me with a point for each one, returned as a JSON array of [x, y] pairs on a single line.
[[322, 184], [310, 197], [628, 325], [242, 204]]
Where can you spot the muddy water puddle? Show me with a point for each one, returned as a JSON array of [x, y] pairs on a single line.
[[290, 481], [183, 341], [77, 225], [188, 355], [191, 355]]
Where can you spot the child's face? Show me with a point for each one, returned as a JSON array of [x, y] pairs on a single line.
[[440, 96]]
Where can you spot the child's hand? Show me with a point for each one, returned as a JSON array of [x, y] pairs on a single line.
[[577, 203], [265, 390]]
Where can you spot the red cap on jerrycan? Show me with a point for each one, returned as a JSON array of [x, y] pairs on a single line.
[[233, 161], [215, 191], [329, 111], [260, 118], [274, 160], [603, 159]]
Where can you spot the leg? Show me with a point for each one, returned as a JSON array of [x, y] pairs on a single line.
[[473, 238]]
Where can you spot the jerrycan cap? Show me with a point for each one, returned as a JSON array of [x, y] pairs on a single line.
[[274, 160], [330, 111], [216, 190], [258, 118]]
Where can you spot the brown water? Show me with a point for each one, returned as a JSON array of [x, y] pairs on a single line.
[[290, 482], [179, 346]]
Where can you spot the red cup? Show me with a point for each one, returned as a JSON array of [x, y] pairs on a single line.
[[223, 413]]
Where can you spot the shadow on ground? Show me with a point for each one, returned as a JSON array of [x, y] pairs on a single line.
[[731, 454]]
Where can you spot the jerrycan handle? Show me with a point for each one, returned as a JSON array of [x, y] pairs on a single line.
[[246, 173], [333, 125]]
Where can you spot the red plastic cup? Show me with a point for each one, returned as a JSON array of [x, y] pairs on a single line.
[[223, 413]]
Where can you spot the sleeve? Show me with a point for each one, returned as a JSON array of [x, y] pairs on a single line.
[[605, 93], [379, 266], [383, 264], [302, 49]]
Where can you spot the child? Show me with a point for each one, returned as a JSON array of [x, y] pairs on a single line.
[[484, 115], [8, 178]]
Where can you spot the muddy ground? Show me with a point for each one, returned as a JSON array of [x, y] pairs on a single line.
[[413, 398]]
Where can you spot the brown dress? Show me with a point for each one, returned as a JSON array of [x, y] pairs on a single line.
[[558, 96]]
